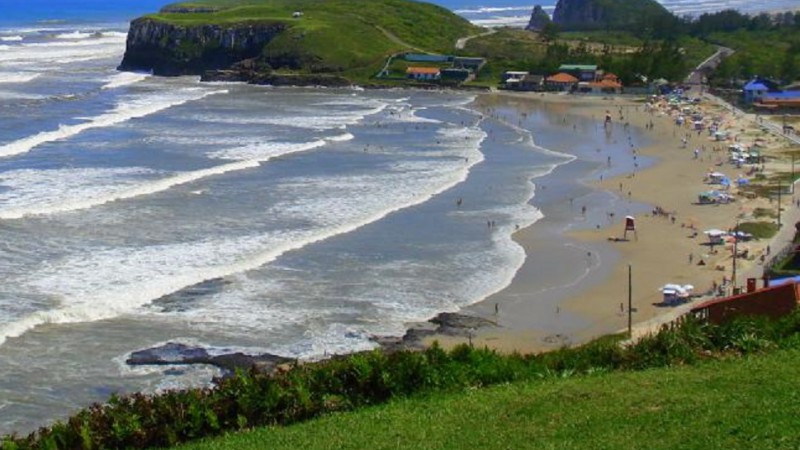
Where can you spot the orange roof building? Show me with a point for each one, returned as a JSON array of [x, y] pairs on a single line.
[[561, 78], [423, 73]]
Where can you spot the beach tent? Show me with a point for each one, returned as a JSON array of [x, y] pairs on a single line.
[[676, 293], [715, 177], [715, 237]]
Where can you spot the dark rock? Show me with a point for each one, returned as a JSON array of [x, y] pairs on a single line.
[[609, 14], [539, 19], [173, 353], [450, 324], [171, 50]]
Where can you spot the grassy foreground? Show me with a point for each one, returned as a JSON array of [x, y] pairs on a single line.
[[747, 403]]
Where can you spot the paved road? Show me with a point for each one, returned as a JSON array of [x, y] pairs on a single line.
[[697, 76], [462, 42]]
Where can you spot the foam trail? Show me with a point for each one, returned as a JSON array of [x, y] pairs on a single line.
[[124, 79], [75, 35], [122, 296], [247, 157], [11, 38], [122, 113], [20, 77]]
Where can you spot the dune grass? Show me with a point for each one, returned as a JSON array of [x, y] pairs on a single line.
[[747, 403]]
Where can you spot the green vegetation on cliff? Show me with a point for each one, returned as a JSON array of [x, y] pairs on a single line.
[[350, 38], [733, 404]]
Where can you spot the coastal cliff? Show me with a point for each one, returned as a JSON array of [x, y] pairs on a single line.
[[169, 49], [609, 14]]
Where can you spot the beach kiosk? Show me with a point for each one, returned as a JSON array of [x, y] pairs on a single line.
[[715, 237]]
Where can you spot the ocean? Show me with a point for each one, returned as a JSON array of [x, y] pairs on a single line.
[[137, 210]]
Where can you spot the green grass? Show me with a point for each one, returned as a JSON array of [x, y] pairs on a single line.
[[759, 230], [744, 403], [350, 38]]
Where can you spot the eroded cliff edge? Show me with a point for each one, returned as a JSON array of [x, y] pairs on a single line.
[[170, 50]]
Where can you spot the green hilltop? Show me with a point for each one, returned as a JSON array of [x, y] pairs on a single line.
[[348, 38]]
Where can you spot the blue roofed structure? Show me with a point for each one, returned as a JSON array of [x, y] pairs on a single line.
[[757, 88]]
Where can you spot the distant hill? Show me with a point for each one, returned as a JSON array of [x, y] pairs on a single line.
[[345, 38], [575, 15]]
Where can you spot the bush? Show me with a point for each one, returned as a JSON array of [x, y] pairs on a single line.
[[251, 398]]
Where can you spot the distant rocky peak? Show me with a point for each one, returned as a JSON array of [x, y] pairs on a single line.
[[539, 19]]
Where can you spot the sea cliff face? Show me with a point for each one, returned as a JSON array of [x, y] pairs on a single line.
[[171, 50]]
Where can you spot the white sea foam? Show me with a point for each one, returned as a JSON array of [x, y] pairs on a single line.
[[63, 51], [104, 283], [317, 121], [18, 77], [265, 151], [124, 79], [136, 107], [76, 35], [498, 9], [11, 38]]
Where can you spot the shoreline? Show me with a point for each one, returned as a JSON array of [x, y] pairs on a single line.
[[660, 255]]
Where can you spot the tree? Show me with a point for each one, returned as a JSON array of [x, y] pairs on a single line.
[[549, 32]]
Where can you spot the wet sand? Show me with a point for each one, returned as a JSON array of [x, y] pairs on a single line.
[[573, 309]]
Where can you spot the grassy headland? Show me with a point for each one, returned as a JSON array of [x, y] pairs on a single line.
[[351, 38]]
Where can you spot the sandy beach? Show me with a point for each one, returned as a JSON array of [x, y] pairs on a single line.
[[668, 247]]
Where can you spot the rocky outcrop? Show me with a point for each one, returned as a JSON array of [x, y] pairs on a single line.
[[171, 49], [608, 14], [172, 353], [539, 19]]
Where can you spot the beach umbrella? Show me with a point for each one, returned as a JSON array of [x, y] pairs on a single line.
[[715, 232]]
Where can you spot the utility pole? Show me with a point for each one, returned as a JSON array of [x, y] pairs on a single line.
[[630, 303], [779, 202], [735, 254]]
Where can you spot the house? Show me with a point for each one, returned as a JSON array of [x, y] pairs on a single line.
[[583, 72], [757, 88], [473, 64], [785, 99], [423, 73], [532, 82], [513, 74], [561, 82], [773, 301], [456, 75], [604, 86], [423, 57]]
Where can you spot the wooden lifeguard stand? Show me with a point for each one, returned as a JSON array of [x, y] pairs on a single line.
[[630, 225]]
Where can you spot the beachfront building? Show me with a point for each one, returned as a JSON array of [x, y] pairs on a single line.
[[456, 75], [469, 63], [774, 301], [561, 82], [423, 73], [606, 84], [779, 100], [583, 72], [757, 88], [427, 58]]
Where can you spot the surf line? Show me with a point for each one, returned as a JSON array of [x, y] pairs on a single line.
[[116, 116]]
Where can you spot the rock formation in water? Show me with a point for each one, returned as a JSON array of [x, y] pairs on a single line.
[[539, 19]]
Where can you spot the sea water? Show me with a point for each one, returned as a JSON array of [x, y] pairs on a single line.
[[137, 210]]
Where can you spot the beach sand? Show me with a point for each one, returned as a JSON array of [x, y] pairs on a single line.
[[663, 249]]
